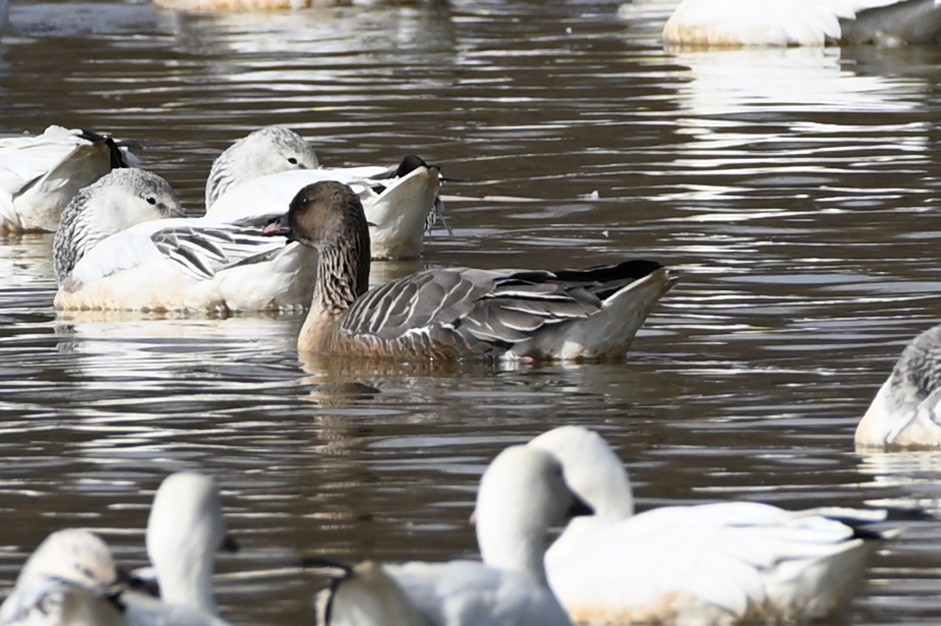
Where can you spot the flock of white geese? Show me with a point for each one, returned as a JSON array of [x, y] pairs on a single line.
[[280, 232], [718, 563]]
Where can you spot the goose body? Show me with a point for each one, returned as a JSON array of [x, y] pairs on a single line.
[[69, 580], [723, 563], [803, 22], [40, 174], [906, 412], [262, 172], [456, 313], [105, 261], [184, 531], [522, 494]]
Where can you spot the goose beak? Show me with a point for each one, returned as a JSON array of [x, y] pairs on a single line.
[[229, 544], [278, 227], [579, 507]]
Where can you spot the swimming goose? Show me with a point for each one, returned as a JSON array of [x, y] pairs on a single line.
[[906, 412], [184, 531], [172, 264], [458, 312], [40, 174], [262, 172], [725, 563], [803, 22], [522, 494], [69, 580]]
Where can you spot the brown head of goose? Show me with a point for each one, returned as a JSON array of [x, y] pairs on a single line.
[[455, 313]]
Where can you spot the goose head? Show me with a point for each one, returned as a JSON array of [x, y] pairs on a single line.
[[116, 201], [185, 530], [592, 469], [73, 555], [522, 495], [322, 215], [268, 150]]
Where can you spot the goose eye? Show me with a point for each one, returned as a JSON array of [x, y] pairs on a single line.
[[292, 161], [151, 200]]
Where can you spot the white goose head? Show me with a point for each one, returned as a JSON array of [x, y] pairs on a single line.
[[592, 469], [269, 150], [522, 495], [185, 530], [116, 201]]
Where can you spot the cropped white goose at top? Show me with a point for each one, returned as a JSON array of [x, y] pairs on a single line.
[[705, 23]]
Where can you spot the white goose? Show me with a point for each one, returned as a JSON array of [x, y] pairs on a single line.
[[726, 563], [40, 174], [69, 580], [172, 264], [184, 531], [906, 412], [522, 494], [803, 22], [262, 172]]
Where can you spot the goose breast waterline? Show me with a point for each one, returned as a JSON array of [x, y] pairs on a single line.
[[721, 563], [906, 411]]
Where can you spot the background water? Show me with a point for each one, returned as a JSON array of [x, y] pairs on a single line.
[[796, 189]]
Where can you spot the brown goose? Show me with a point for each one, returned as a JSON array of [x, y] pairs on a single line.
[[455, 313]]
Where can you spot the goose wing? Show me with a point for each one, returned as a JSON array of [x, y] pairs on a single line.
[[496, 308], [726, 559], [197, 247]]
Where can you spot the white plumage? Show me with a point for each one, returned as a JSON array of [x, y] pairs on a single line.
[[185, 530], [40, 174], [802, 22], [67, 581], [521, 495], [719, 563], [906, 412], [262, 172]]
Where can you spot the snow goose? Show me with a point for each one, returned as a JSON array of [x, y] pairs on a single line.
[[725, 563], [69, 580], [906, 412], [262, 172], [446, 314], [522, 494], [803, 22], [180, 264], [40, 174], [184, 531]]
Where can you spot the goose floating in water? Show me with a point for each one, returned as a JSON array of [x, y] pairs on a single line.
[[719, 23], [184, 531], [447, 314], [725, 563], [119, 249], [906, 412], [522, 495], [263, 171], [69, 580], [40, 174]]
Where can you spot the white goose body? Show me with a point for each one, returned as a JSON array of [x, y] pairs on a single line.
[[704, 23], [521, 495], [40, 174], [184, 532], [67, 581], [104, 261], [724, 563], [906, 412], [262, 172]]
